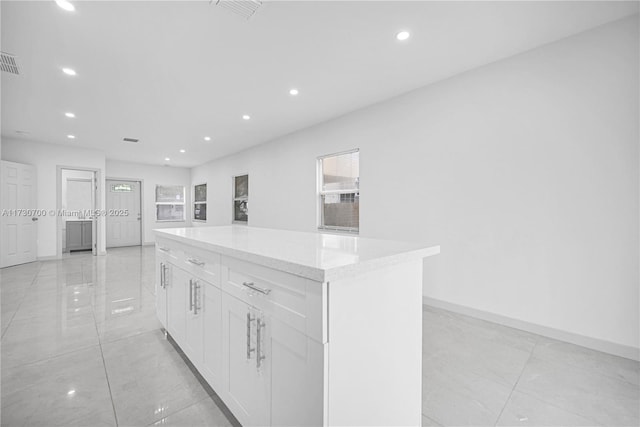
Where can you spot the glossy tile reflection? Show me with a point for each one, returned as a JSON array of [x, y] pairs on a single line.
[[480, 373], [81, 345]]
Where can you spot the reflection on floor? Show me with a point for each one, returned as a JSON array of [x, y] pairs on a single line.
[[81, 346]]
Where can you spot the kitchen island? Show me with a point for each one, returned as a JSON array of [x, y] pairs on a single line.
[[293, 328]]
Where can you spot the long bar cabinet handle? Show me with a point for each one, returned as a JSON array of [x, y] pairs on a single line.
[[162, 275], [196, 296], [259, 356], [249, 349], [250, 285], [190, 294]]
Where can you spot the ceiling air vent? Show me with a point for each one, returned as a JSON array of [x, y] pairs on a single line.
[[9, 63], [130, 139], [243, 8]]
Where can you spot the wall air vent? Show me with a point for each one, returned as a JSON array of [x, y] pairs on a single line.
[[243, 8], [9, 63], [130, 139]]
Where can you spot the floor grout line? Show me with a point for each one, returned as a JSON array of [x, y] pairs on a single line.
[[35, 277], [104, 365], [517, 381]]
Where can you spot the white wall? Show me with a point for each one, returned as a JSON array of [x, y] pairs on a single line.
[[46, 158], [525, 171], [152, 176]]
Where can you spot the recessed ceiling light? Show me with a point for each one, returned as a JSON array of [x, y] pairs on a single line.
[[207, 138], [166, 159], [69, 71], [403, 35], [183, 151], [246, 117], [71, 136], [70, 115], [66, 5], [294, 92]]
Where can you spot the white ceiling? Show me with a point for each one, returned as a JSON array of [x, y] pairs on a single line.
[[171, 73]]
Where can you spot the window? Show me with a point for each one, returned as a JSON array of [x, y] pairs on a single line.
[[241, 198], [339, 191], [200, 202], [121, 188], [169, 203]]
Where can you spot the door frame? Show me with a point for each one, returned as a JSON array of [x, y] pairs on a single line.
[[142, 221], [97, 204]]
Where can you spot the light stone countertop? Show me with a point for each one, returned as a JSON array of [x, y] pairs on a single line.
[[321, 257]]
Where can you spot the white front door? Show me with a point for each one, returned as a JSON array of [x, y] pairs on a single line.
[[123, 213], [19, 217]]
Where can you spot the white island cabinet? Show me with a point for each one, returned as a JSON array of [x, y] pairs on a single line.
[[297, 329]]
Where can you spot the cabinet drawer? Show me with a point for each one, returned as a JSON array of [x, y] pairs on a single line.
[[294, 300], [170, 251], [202, 264]]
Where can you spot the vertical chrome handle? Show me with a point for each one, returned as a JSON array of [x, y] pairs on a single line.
[[190, 294], [259, 356], [249, 349], [196, 296], [166, 280], [162, 275]]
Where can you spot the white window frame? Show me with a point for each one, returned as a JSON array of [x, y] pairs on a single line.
[[196, 202], [183, 203], [236, 199], [320, 193]]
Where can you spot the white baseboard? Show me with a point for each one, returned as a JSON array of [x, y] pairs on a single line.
[[573, 338]]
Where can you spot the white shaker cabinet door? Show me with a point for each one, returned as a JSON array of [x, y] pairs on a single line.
[[194, 335], [212, 342], [177, 306], [296, 366], [246, 382], [163, 275]]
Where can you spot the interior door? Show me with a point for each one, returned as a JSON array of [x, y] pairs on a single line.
[[123, 229], [18, 221]]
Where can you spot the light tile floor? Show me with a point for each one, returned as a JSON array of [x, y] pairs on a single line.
[[81, 347]]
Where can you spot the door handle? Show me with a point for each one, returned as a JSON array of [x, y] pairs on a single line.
[[250, 285], [249, 349], [190, 294], [162, 285], [166, 268], [196, 297], [259, 356], [195, 261]]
